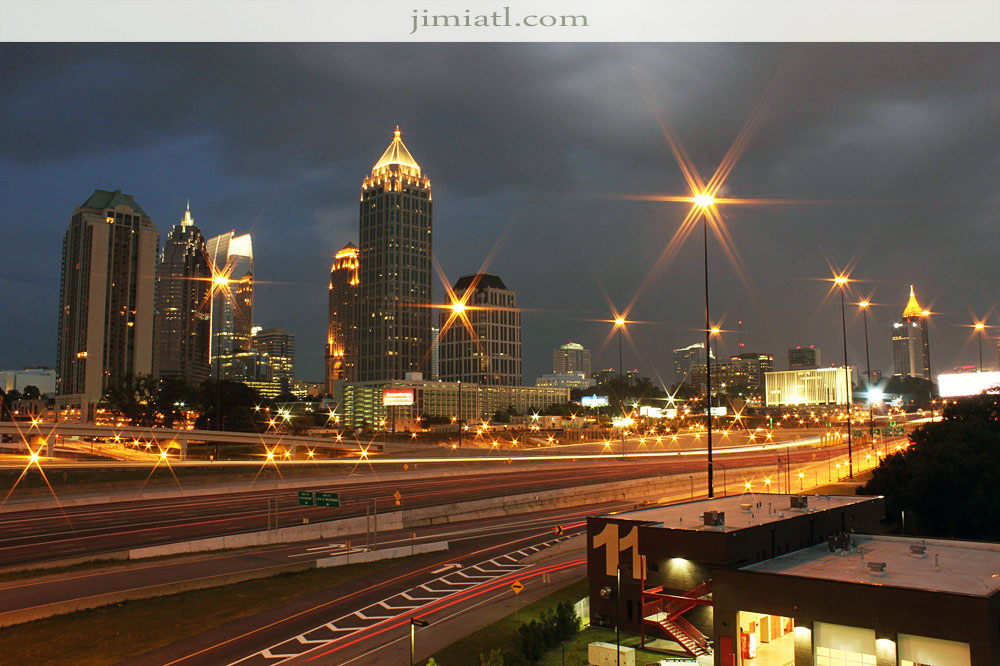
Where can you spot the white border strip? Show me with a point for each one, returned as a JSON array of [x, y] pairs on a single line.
[[500, 20]]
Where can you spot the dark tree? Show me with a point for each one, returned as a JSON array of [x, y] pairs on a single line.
[[31, 392], [947, 481], [133, 400], [239, 405]]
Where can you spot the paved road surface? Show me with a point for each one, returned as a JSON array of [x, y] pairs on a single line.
[[32, 536]]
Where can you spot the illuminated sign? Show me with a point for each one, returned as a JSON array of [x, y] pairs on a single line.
[[393, 397], [594, 401], [670, 412], [719, 411], [651, 412], [967, 383]]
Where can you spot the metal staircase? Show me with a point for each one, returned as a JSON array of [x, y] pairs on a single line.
[[666, 611]]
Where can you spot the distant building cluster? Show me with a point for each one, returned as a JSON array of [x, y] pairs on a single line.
[[128, 307], [388, 360]]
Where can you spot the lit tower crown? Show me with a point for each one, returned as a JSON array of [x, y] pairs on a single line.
[[396, 167], [913, 308]]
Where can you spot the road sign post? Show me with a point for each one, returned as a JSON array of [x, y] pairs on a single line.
[[414, 623], [518, 587]]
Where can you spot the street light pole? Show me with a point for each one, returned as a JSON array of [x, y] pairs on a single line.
[[621, 388], [847, 380], [708, 363], [868, 370]]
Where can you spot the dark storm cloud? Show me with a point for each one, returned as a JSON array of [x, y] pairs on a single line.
[[275, 138]]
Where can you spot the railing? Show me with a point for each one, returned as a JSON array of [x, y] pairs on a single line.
[[652, 607], [692, 632]]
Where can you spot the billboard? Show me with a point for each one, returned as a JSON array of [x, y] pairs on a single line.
[[719, 411], [594, 401], [392, 397], [960, 384], [651, 412]]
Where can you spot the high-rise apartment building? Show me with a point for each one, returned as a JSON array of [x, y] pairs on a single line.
[[911, 354], [489, 354], [342, 329], [231, 260], [804, 358], [183, 285], [435, 354], [571, 358], [686, 358], [106, 296], [279, 347], [394, 324]]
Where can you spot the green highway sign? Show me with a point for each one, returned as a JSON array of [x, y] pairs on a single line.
[[306, 498], [328, 499]]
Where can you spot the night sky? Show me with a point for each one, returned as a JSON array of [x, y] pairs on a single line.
[[898, 146]]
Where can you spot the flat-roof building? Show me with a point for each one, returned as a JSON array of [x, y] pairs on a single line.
[[775, 579]]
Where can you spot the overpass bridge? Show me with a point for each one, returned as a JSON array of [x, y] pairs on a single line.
[[37, 434]]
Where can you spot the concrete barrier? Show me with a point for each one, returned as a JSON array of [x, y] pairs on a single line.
[[384, 554], [325, 530]]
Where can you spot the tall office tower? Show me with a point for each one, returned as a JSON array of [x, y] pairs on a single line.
[[342, 326], [748, 370], [435, 354], [686, 358], [106, 296], [910, 351], [183, 285], [571, 357], [231, 257], [394, 325], [804, 358], [279, 347], [490, 354]]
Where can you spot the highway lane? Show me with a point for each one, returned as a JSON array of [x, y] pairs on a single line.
[[331, 619], [34, 536], [31, 592]]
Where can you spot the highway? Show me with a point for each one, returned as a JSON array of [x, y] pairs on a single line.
[[33, 592], [40, 535], [340, 622]]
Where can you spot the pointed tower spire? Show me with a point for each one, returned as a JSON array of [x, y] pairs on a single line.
[[397, 158], [187, 220], [913, 308]]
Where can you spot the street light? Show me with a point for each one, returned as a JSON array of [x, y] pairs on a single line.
[[220, 287], [840, 281], [980, 327], [704, 201], [620, 327], [864, 305]]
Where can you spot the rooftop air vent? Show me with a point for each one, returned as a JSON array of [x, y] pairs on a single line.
[[746, 508], [715, 518], [876, 568], [918, 550]]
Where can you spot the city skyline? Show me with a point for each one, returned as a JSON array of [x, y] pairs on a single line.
[[580, 182]]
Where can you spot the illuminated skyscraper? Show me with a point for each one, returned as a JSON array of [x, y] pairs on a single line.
[[278, 346], [571, 357], [491, 357], [911, 354], [394, 325], [106, 297], [342, 329], [686, 358], [183, 283], [231, 256]]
